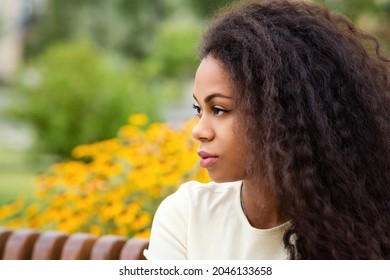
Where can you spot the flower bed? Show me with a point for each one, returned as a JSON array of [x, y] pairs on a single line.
[[112, 186]]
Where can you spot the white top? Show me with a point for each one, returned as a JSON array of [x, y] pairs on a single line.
[[206, 221]]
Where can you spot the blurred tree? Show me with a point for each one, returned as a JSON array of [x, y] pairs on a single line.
[[205, 8], [125, 26], [72, 94], [370, 15], [137, 64], [159, 39], [130, 26]]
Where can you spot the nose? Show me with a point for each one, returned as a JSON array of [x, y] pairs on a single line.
[[202, 131]]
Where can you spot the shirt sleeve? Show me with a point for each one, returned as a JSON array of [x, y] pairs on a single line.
[[168, 240]]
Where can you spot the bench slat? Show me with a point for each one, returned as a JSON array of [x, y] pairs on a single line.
[[20, 244], [49, 245], [133, 249], [78, 246], [4, 235], [108, 247], [25, 244]]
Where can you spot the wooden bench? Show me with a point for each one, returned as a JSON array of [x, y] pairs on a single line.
[[31, 244]]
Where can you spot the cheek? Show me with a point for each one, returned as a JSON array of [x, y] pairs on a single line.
[[241, 155], [240, 165], [238, 154], [237, 142]]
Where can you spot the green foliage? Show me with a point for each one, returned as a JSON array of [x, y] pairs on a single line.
[[74, 94], [120, 25], [206, 8], [352, 8], [173, 52], [371, 16]]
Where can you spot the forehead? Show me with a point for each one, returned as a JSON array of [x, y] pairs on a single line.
[[211, 77], [210, 65]]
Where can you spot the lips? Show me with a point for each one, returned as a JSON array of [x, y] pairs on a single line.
[[206, 159]]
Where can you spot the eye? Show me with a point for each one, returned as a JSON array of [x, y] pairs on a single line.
[[198, 110], [219, 111]]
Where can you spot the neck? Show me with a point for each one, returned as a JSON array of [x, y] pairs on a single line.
[[260, 205]]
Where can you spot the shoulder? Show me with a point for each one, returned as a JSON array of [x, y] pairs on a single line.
[[194, 194], [191, 207]]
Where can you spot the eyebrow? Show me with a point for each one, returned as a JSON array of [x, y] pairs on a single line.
[[213, 95]]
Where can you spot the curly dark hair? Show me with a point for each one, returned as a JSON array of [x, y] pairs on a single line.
[[313, 94]]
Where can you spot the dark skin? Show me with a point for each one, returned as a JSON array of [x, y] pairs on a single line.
[[262, 208], [311, 93], [216, 133]]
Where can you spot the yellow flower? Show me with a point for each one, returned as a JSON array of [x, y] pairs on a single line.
[[112, 186], [138, 119], [96, 230], [143, 234], [32, 210], [142, 221]]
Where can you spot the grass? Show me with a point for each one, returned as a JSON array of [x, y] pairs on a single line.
[[14, 185], [17, 173]]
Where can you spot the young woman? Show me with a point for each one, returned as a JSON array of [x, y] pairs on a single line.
[[294, 129]]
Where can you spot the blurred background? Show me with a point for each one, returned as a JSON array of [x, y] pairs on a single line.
[[80, 80]]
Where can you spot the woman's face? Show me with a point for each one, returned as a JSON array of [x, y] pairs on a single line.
[[221, 150]]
